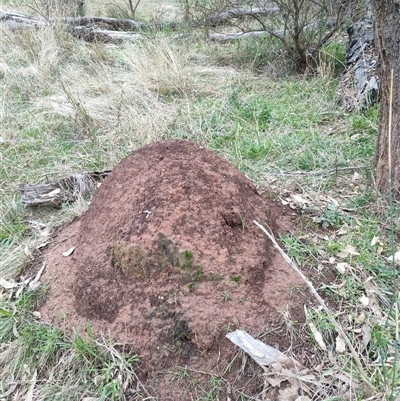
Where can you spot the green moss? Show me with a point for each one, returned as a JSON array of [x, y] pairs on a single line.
[[133, 261], [186, 260], [129, 258]]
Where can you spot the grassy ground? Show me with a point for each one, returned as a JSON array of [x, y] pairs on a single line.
[[69, 107]]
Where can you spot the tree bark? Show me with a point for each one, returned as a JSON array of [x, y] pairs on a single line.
[[55, 193], [387, 40], [359, 83]]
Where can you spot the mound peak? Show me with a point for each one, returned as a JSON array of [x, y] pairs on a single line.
[[167, 254]]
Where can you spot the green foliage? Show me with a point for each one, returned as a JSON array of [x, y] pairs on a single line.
[[333, 217], [334, 54], [301, 250], [253, 109], [41, 344], [12, 221]]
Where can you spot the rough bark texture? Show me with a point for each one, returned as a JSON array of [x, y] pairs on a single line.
[[55, 193], [387, 38], [359, 86]]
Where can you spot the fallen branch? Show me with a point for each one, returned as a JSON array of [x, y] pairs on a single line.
[[241, 12], [110, 23], [90, 29], [314, 292], [281, 34], [92, 34], [54, 193]]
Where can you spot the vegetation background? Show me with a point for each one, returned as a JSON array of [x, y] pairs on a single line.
[[69, 106]]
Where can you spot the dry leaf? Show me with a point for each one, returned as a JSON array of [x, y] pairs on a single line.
[[317, 336], [35, 282], [364, 300], [340, 345], [33, 285], [343, 230], [396, 257], [346, 251], [374, 241], [342, 267], [290, 393], [321, 236], [360, 318], [372, 290], [356, 176], [350, 250], [299, 199], [69, 252], [367, 330]]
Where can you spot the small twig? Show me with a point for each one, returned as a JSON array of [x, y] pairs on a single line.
[[321, 301]]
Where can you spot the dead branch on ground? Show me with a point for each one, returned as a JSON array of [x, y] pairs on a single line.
[[54, 193]]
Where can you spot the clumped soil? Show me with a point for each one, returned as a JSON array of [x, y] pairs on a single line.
[[168, 259]]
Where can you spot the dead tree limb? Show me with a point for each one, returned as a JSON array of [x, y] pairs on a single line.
[[91, 29], [281, 34], [241, 12], [109, 23], [54, 193], [93, 34]]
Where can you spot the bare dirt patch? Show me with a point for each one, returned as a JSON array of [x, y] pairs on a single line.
[[168, 259]]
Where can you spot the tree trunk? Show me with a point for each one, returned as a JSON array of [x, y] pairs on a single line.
[[359, 83], [387, 40]]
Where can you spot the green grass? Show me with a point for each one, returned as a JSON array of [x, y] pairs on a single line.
[[68, 365], [69, 107]]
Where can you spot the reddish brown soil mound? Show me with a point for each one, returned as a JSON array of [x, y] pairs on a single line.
[[167, 257]]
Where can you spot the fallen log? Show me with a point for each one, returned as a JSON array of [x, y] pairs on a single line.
[[109, 23], [92, 34], [91, 29], [55, 193], [241, 12], [15, 20]]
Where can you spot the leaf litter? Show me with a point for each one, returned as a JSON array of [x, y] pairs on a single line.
[[286, 379]]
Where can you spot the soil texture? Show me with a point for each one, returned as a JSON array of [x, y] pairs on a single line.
[[168, 260]]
